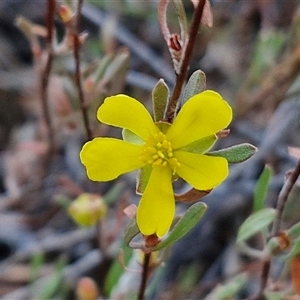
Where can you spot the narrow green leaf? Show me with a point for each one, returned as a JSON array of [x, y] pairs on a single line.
[[131, 137], [131, 231], [101, 68], [201, 146], [116, 269], [235, 154], [160, 98], [54, 283], [270, 295], [117, 66], [294, 231], [261, 188], [229, 289], [255, 223], [143, 178], [36, 265], [184, 225], [196, 84], [295, 250], [182, 19]]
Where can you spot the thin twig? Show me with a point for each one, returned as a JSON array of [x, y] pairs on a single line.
[[78, 80], [283, 196], [144, 278], [282, 199], [181, 77], [46, 72]]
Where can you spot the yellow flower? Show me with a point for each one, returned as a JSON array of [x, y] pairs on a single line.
[[166, 151]]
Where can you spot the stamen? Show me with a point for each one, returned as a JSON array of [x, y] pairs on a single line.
[[158, 162], [160, 154], [158, 151]]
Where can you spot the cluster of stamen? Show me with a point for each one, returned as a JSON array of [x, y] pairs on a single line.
[[158, 151]]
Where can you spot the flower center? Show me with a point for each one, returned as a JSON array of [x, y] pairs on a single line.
[[158, 151]]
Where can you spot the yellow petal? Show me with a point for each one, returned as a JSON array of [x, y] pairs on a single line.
[[157, 207], [202, 115], [201, 171], [126, 112], [106, 158]]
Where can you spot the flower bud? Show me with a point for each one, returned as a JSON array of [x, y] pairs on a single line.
[[87, 289], [87, 209]]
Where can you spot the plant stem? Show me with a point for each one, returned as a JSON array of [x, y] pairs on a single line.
[[282, 199], [46, 73], [78, 80], [144, 278], [181, 77]]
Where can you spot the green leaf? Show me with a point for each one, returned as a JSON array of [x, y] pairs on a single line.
[[36, 265], [270, 295], [143, 178], [200, 146], [294, 231], [229, 289], [261, 189], [184, 225], [160, 97], [295, 250], [131, 231], [101, 68], [255, 223], [117, 66], [235, 154], [182, 19], [54, 283], [195, 85], [116, 269], [130, 137]]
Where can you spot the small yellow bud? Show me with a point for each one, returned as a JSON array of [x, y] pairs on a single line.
[[87, 289], [87, 209]]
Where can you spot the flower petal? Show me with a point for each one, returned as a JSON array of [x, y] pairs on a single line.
[[106, 158], [157, 207], [126, 112], [201, 171], [202, 115]]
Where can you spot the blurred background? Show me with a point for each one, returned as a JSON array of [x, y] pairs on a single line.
[[251, 56]]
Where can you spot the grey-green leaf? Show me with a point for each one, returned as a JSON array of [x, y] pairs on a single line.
[[143, 178], [160, 98], [236, 153], [261, 189], [255, 223], [184, 225], [229, 289], [200, 146], [196, 84], [131, 137], [182, 19], [131, 231]]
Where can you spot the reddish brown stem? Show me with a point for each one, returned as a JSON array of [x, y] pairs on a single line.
[[145, 271], [282, 199], [47, 70], [181, 77], [77, 45]]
